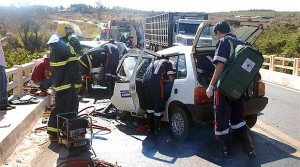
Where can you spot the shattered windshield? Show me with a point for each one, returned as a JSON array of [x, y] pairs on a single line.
[[207, 37]]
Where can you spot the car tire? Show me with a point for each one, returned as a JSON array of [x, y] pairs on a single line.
[[179, 124], [251, 120]]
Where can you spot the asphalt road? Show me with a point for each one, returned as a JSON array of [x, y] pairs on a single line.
[[275, 137], [276, 140]]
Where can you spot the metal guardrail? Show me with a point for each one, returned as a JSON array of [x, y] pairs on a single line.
[[274, 62]]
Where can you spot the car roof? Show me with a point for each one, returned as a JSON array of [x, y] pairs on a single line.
[[93, 44], [174, 50]]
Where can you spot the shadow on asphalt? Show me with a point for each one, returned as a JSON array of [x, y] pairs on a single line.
[[201, 142]]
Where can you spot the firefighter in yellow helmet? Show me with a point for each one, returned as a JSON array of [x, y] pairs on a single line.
[[64, 67]]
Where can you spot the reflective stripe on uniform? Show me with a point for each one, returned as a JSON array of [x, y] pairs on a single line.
[[63, 87], [199, 70], [62, 63], [150, 111], [111, 75], [82, 63], [241, 124], [224, 132], [158, 67], [71, 49], [158, 114], [71, 36], [52, 129], [77, 85], [170, 72]]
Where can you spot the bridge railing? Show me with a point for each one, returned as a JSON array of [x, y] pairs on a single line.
[[20, 74], [273, 62]]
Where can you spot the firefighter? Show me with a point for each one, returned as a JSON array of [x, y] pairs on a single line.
[[112, 62], [153, 90], [92, 59], [66, 78], [227, 110]]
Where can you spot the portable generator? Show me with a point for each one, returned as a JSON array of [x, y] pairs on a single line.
[[72, 131]]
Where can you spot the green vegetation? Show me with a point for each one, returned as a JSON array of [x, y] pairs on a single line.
[[280, 40]]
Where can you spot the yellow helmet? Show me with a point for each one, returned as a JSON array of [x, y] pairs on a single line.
[[61, 27]]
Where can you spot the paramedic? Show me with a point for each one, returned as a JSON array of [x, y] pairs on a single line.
[[227, 110], [112, 62], [66, 78], [153, 90], [205, 69]]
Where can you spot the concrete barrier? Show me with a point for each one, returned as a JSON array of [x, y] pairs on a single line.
[[282, 79]]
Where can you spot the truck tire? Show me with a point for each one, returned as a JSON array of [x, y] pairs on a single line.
[[179, 124], [251, 120]]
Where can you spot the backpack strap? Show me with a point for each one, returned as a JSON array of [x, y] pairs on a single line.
[[232, 45]]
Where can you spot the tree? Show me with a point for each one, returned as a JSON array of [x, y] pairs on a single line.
[[30, 21]]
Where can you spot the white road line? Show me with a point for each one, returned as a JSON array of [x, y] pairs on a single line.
[[275, 134]]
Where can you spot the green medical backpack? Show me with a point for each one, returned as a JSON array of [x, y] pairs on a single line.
[[239, 70]]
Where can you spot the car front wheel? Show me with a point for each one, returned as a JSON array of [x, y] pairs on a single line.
[[179, 124]]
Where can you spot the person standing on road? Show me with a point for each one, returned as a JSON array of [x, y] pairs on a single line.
[[4, 105], [227, 111], [112, 62], [153, 90], [64, 67]]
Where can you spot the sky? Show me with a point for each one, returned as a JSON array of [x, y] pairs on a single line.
[[171, 5]]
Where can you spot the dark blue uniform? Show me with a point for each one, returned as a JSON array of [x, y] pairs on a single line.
[[93, 58], [111, 64], [205, 70], [226, 109], [153, 85]]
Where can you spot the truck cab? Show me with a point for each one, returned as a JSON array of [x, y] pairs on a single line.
[[188, 103], [185, 31]]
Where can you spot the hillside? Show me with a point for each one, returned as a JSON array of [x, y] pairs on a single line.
[[32, 27]]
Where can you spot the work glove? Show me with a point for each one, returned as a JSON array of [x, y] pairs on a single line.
[[210, 91]]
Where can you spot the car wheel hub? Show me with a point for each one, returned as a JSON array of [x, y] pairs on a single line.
[[177, 124]]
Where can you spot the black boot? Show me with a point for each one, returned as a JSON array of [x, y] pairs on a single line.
[[225, 156], [157, 124], [150, 122], [247, 144], [225, 147]]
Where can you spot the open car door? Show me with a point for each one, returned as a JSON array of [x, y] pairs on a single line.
[[128, 88], [247, 29]]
